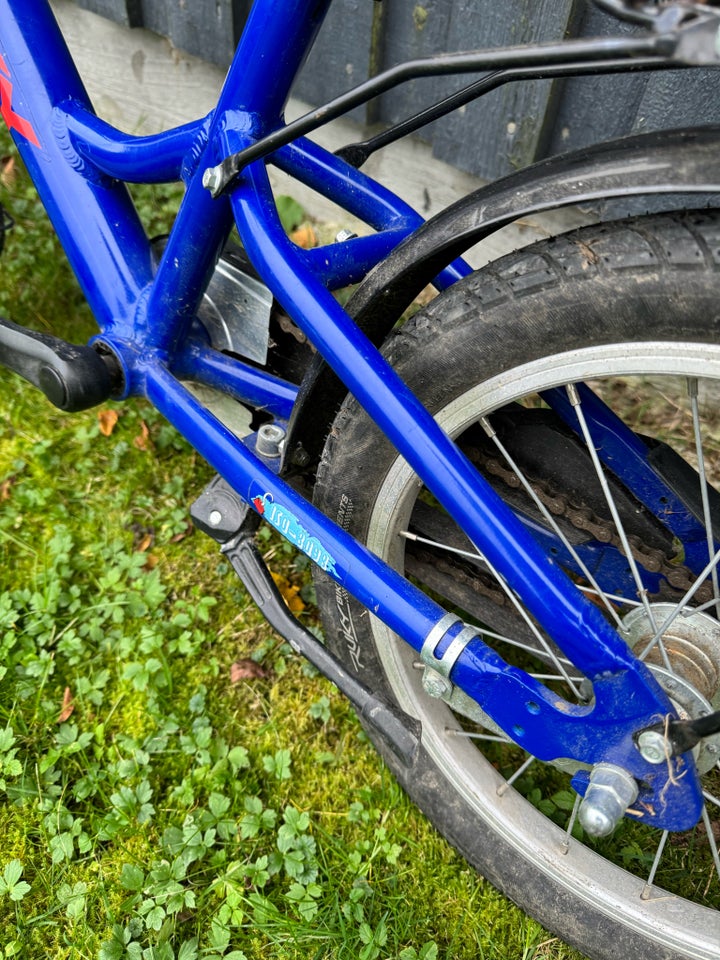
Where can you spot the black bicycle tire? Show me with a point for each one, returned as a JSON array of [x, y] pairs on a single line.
[[651, 278]]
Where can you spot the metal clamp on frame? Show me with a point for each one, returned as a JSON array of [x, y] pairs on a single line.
[[436, 678]]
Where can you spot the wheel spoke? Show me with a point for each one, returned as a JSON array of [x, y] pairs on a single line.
[[492, 434], [681, 605], [707, 606], [553, 676], [571, 824], [504, 787], [576, 403], [711, 840], [615, 598], [642, 593], [704, 495], [470, 735], [477, 556], [645, 895]]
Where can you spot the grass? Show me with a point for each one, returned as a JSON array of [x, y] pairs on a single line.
[[174, 783]]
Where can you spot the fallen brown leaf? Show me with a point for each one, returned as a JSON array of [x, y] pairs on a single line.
[[247, 670], [145, 543], [142, 441], [68, 705], [106, 421], [183, 533], [304, 237], [290, 593], [8, 174]]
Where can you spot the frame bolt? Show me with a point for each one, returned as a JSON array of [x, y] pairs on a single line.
[[344, 235], [215, 518], [653, 746], [435, 685], [212, 180]]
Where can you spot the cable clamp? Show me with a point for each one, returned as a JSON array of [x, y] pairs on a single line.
[[436, 677]]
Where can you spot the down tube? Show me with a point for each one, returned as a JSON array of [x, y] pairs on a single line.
[[405, 609]]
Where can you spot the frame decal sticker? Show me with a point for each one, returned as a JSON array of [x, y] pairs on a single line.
[[12, 119], [291, 528]]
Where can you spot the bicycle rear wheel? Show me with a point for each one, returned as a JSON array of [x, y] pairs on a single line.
[[628, 311]]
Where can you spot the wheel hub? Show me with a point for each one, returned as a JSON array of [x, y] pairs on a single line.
[[692, 645]]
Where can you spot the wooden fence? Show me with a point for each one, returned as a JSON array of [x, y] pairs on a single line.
[[507, 129]]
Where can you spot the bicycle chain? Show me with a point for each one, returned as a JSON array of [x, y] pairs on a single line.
[[581, 517]]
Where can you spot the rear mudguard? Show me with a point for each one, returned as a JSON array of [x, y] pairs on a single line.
[[678, 163]]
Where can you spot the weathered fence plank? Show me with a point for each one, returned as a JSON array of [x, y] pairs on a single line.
[[341, 57], [127, 12], [511, 127]]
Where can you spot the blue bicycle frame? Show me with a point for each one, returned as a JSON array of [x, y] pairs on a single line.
[[145, 316]]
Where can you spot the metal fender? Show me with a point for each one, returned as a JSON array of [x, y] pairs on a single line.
[[678, 162]]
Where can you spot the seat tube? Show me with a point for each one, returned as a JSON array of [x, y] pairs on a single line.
[[274, 44]]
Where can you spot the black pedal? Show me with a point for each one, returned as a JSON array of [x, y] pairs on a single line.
[[72, 377]]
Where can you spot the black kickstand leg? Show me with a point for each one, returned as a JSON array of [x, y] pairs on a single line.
[[224, 516]]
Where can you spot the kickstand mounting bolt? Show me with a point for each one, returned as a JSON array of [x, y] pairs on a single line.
[[653, 746], [270, 439]]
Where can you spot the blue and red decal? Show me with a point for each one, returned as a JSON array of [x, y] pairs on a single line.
[[290, 527], [13, 120]]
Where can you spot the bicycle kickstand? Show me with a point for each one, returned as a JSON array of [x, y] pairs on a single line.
[[224, 516]]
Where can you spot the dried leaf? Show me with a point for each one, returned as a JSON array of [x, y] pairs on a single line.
[[304, 237], [290, 593], [145, 543], [141, 532], [183, 533], [247, 670], [106, 421], [142, 441], [5, 487], [68, 705], [8, 174]]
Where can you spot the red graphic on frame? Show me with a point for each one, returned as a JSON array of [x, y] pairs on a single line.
[[12, 119]]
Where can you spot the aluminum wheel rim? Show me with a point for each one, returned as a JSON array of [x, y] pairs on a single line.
[[667, 919]]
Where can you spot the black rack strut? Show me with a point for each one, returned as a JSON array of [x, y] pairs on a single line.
[[356, 154], [553, 59]]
